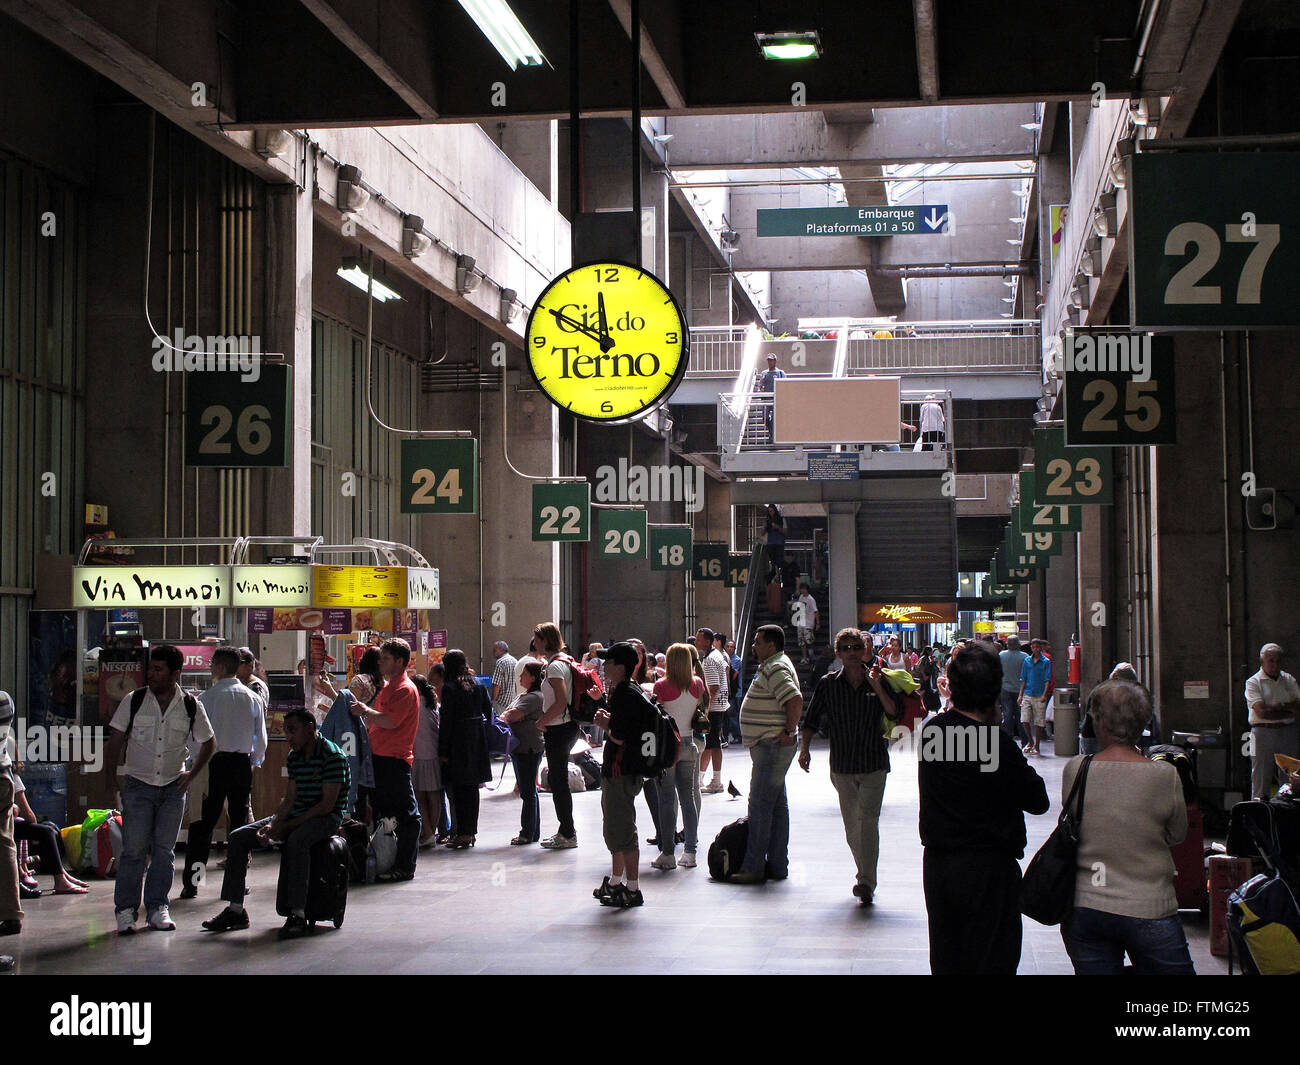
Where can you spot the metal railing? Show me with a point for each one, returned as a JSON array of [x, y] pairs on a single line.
[[743, 425], [716, 351], [1011, 346]]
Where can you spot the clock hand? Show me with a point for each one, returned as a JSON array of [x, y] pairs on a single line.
[[559, 317], [606, 341]]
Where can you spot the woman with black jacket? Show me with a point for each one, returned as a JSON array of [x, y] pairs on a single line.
[[462, 745]]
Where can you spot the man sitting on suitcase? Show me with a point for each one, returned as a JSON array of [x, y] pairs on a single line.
[[312, 809]]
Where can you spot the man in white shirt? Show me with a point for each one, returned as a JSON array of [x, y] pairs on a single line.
[[153, 785], [931, 423], [805, 620], [238, 719], [505, 686], [715, 676], [1273, 698]]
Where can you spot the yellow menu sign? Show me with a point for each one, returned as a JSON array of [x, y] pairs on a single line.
[[359, 586]]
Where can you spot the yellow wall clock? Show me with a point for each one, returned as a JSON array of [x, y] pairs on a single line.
[[607, 342]]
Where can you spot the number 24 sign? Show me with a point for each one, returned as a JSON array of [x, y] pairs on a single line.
[[439, 476]]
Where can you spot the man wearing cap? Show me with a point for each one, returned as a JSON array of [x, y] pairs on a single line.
[[1272, 697], [626, 720], [931, 422], [767, 383], [246, 676]]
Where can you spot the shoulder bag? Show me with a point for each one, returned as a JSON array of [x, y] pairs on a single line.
[[1047, 890]]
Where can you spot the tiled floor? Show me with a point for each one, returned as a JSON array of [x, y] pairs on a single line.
[[502, 909]]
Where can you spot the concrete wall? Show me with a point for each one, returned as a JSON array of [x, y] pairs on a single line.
[[818, 294]]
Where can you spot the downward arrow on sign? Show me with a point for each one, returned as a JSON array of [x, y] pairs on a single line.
[[935, 221]]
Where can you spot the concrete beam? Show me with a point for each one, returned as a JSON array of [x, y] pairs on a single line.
[[898, 135], [651, 58], [1186, 42], [927, 49]]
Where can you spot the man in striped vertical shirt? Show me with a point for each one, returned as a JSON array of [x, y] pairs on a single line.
[[847, 706], [769, 717]]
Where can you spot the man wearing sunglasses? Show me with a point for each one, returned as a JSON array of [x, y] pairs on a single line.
[[847, 706]]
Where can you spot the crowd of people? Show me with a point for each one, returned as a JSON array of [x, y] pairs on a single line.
[[414, 749]]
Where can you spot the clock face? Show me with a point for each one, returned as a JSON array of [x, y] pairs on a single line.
[[607, 342]]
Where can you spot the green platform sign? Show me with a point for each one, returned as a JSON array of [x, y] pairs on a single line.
[[737, 571], [1045, 517], [232, 422], [917, 220], [711, 560], [670, 547], [562, 512], [1070, 475], [1119, 389], [439, 476], [1212, 240], [622, 534]]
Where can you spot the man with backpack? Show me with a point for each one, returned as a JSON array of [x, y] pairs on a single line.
[[154, 724], [769, 718], [630, 724]]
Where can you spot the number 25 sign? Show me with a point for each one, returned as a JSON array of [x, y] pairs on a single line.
[[439, 476]]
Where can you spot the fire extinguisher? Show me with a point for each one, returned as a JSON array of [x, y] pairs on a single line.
[[1074, 658]]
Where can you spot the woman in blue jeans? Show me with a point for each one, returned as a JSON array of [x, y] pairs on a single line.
[[680, 693], [1133, 812], [529, 747]]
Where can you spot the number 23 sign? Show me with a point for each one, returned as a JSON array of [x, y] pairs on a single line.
[[1070, 475]]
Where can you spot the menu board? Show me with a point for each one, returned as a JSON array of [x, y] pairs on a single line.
[[333, 622], [359, 586]]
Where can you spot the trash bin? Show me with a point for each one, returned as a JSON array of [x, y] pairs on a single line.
[[1065, 710]]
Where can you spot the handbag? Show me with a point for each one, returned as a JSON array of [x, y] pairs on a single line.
[[1047, 890]]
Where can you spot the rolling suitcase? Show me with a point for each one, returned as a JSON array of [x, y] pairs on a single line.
[[775, 604], [327, 883], [1190, 884]]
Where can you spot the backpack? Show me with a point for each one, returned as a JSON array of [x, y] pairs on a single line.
[[727, 852], [590, 768], [137, 701], [1264, 927], [658, 745], [108, 845], [586, 694], [358, 840]]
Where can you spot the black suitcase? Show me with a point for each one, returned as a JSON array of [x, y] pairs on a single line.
[[727, 852], [357, 837], [1276, 821], [327, 884]]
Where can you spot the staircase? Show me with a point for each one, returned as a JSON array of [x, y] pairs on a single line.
[[819, 655]]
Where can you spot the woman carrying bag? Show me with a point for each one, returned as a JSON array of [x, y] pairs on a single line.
[[1132, 812], [462, 745]]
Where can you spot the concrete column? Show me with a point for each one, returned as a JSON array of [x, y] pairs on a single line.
[[1062, 607], [288, 329], [1053, 187], [1094, 584], [713, 598], [843, 533]]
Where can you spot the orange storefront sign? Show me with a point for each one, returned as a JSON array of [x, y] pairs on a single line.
[[906, 613]]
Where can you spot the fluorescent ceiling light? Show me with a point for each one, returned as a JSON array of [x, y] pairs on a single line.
[[1014, 240], [352, 272], [1017, 221], [805, 45], [502, 27]]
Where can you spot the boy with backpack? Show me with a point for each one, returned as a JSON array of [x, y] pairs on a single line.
[[637, 746]]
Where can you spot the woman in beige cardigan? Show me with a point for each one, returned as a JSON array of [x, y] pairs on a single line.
[[1134, 811]]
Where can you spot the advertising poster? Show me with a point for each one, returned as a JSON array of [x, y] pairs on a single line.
[[52, 668], [332, 621], [437, 645], [120, 673]]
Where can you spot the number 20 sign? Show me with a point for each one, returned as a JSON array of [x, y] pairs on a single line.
[[439, 476]]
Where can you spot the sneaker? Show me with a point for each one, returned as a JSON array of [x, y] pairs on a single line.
[[687, 860], [227, 921], [190, 891], [665, 862], [631, 898], [862, 893], [161, 920], [125, 922], [13, 926], [561, 843], [617, 892], [603, 892], [294, 928], [712, 787]]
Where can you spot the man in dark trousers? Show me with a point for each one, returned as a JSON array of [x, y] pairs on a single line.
[[975, 789]]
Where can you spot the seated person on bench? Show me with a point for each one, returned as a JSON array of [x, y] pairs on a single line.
[[312, 810]]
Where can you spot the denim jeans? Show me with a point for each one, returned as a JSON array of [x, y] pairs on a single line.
[[151, 821], [1097, 942], [681, 782], [1011, 715], [530, 819], [295, 866], [769, 814]]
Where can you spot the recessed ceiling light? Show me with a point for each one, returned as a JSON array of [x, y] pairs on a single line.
[[790, 45]]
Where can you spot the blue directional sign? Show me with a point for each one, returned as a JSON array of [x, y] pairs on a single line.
[[915, 220]]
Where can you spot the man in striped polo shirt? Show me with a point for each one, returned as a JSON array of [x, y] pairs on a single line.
[[847, 706], [769, 717], [313, 808]]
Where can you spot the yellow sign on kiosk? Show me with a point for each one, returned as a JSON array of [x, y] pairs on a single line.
[[359, 586]]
